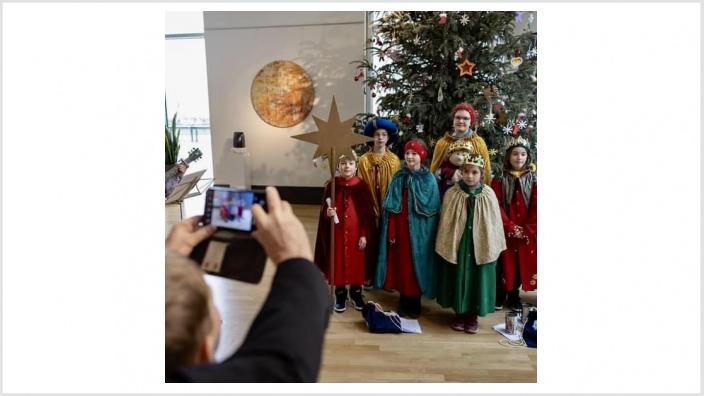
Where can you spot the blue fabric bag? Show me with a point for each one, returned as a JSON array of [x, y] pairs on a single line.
[[379, 321], [530, 330]]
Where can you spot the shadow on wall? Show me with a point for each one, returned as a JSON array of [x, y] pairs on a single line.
[[327, 63]]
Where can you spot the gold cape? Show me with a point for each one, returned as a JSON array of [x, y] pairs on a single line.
[[488, 230], [388, 165]]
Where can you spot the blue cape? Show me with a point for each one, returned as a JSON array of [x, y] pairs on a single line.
[[423, 210]]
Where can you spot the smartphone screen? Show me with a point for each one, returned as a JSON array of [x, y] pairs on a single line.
[[231, 208]]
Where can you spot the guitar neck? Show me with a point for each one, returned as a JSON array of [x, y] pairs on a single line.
[[173, 171]]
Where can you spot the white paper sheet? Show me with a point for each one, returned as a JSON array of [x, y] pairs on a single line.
[[501, 328], [410, 326]]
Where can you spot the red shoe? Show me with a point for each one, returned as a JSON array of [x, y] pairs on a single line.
[[471, 325], [458, 323]]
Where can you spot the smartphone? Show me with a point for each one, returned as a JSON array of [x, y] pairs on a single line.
[[231, 208], [231, 252]]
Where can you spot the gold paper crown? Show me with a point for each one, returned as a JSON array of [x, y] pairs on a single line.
[[475, 160], [461, 145], [514, 141], [347, 157]]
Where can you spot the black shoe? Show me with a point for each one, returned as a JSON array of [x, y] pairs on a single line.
[[356, 297], [340, 299], [402, 309], [514, 302], [500, 299], [413, 307]]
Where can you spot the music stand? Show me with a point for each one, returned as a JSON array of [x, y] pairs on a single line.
[[188, 182]]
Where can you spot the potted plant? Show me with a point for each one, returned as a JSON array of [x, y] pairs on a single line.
[[172, 145]]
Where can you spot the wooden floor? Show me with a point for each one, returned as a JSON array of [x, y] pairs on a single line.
[[352, 354]]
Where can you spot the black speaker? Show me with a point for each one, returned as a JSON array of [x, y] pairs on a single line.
[[238, 140]]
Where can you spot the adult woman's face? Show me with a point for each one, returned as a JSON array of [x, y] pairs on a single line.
[[461, 121]]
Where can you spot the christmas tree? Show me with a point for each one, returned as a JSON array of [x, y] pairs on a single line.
[[422, 64]]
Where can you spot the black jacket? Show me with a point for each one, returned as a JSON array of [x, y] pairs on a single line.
[[285, 341]]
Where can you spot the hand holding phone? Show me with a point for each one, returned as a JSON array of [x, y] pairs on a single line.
[[231, 252], [280, 232], [185, 235]]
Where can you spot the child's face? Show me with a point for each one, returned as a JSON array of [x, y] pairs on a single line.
[[412, 160], [381, 137], [461, 120], [457, 157], [518, 158], [347, 168], [472, 175]]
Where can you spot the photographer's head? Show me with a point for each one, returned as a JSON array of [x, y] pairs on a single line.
[[192, 321]]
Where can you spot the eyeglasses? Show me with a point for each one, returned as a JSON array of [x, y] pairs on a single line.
[[462, 118]]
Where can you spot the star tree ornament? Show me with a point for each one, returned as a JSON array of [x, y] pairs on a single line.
[[466, 68], [508, 128], [464, 20], [489, 118]]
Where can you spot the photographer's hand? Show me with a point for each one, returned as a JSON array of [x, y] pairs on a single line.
[[279, 231], [185, 235]]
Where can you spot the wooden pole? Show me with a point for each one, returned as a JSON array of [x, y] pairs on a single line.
[[332, 223]]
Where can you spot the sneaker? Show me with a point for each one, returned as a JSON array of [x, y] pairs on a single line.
[[458, 323], [471, 324], [356, 297], [340, 299]]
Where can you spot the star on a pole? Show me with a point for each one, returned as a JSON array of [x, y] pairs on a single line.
[[466, 67], [333, 134]]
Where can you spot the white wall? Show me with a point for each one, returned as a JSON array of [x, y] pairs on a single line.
[[238, 45]]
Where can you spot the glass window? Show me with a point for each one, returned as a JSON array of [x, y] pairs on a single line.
[[187, 93]]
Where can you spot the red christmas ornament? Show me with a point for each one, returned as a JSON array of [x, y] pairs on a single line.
[[443, 19], [407, 119], [498, 107]]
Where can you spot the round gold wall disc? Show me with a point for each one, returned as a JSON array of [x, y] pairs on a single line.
[[282, 94]]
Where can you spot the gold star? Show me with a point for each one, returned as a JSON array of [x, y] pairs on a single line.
[[466, 67], [333, 134]]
